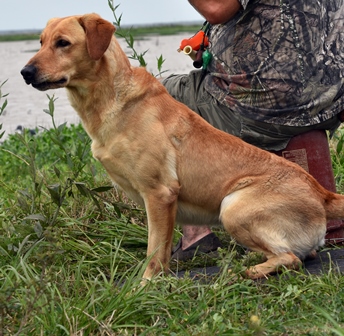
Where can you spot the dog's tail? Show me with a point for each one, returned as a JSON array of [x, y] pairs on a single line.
[[334, 206], [333, 203]]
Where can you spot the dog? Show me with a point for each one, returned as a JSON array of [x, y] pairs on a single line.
[[168, 159]]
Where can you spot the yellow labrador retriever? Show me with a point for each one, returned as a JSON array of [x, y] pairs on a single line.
[[167, 158]]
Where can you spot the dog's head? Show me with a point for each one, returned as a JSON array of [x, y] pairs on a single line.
[[70, 47]]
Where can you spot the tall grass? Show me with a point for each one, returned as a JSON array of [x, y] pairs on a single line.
[[72, 253]]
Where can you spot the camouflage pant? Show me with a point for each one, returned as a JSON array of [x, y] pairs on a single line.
[[189, 89]]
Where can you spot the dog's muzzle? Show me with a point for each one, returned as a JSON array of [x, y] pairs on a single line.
[[31, 76]]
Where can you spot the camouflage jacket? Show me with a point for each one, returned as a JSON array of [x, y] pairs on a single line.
[[280, 61]]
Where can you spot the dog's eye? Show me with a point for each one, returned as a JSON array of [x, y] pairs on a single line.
[[62, 43]]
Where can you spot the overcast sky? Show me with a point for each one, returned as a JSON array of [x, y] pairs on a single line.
[[33, 14]]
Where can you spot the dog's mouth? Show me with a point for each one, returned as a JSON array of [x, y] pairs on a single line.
[[47, 85], [31, 76]]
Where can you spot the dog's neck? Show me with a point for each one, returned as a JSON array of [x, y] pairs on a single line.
[[109, 81]]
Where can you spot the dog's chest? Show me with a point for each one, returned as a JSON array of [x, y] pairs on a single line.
[[118, 168]]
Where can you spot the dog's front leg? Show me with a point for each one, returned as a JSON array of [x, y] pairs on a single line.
[[161, 210]]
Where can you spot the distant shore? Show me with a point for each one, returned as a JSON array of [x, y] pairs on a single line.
[[135, 31]]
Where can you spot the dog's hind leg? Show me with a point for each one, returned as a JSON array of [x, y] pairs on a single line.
[[273, 227], [273, 264], [275, 248]]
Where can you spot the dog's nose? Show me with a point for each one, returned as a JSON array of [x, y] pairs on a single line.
[[29, 73]]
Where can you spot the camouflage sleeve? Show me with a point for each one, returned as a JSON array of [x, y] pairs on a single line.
[[244, 3], [280, 62]]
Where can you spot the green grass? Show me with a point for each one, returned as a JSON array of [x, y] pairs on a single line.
[[169, 29], [12, 37], [73, 252]]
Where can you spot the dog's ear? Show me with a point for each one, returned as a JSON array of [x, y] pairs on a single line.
[[98, 34]]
